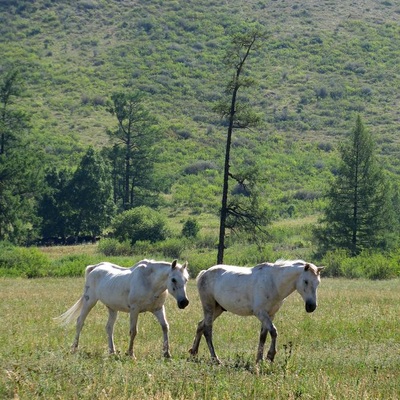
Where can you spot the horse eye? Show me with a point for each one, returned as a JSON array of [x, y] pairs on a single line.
[[306, 282], [173, 280]]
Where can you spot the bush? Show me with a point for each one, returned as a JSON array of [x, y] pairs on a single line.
[[74, 265], [199, 166], [22, 262], [143, 248], [367, 265], [112, 247], [140, 223], [333, 262], [190, 228], [172, 248], [199, 261]]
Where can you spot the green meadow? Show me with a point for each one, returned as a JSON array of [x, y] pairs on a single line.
[[349, 348]]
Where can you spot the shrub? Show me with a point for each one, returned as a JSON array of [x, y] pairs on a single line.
[[23, 262], [333, 261], [140, 223], [172, 248], [366, 265], [112, 247], [199, 261], [143, 248], [190, 228], [199, 166], [73, 265]]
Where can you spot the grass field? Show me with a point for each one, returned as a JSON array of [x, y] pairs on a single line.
[[349, 348]]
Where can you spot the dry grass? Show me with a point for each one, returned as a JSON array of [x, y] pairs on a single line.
[[56, 252], [348, 348]]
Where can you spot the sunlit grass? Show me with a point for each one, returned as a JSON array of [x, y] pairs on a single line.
[[348, 348]]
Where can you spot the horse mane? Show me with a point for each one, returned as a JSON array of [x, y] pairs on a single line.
[[281, 262]]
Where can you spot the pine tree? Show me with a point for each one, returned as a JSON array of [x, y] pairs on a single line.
[[237, 213], [359, 209], [133, 140], [90, 196]]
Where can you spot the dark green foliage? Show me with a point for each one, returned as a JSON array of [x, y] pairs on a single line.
[[78, 204], [132, 154], [139, 223], [191, 228], [20, 167], [359, 214], [53, 208], [89, 196]]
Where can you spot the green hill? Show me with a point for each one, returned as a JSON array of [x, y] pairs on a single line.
[[322, 63]]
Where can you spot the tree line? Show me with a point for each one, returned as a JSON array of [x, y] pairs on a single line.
[[39, 201]]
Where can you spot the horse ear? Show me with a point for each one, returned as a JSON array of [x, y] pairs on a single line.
[[320, 269], [185, 265], [306, 267], [173, 265]]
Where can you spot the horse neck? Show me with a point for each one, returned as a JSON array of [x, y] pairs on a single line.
[[159, 276], [285, 282]]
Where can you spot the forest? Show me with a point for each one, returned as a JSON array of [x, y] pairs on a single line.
[[70, 69]]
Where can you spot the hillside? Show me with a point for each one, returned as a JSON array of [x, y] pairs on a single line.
[[323, 62]]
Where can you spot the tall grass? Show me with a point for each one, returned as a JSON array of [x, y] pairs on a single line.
[[349, 348]]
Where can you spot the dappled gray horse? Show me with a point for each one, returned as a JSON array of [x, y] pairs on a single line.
[[144, 287], [258, 291]]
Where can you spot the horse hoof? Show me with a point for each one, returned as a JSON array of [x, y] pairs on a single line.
[[216, 361], [131, 355], [192, 352]]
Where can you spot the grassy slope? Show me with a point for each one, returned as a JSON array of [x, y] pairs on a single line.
[[73, 54]]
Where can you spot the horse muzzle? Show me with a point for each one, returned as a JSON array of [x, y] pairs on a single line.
[[310, 306], [183, 303]]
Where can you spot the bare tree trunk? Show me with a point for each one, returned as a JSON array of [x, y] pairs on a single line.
[[224, 202]]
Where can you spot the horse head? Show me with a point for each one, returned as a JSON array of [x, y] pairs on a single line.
[[307, 285], [177, 281]]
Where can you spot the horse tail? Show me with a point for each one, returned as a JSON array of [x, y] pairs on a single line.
[[73, 312]]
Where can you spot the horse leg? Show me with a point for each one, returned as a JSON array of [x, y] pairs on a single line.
[[209, 318], [160, 315], [88, 304], [272, 349], [266, 326], [133, 330], [199, 333], [112, 317]]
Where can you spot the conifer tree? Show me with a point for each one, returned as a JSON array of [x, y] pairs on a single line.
[[90, 196], [359, 210], [133, 141], [239, 115]]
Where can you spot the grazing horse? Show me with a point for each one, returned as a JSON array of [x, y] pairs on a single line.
[[258, 291], [143, 287]]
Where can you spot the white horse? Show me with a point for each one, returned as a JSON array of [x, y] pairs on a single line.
[[143, 287], [258, 291]]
